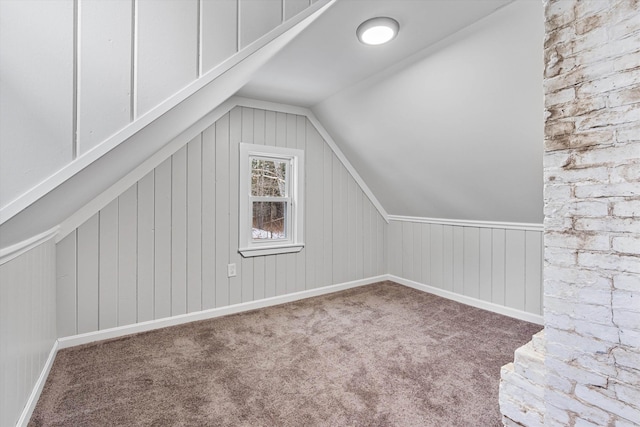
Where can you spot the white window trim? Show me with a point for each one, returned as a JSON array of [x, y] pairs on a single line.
[[295, 241]]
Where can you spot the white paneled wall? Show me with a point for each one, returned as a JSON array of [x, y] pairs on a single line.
[[162, 247], [93, 67], [497, 265], [27, 325]]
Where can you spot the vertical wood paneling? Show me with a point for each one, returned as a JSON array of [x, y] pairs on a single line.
[[407, 250], [327, 213], [235, 130], [108, 266], [485, 264], [498, 257], [27, 325], [194, 225], [533, 272], [447, 257], [104, 70], [179, 232], [219, 31], [437, 255], [127, 253], [270, 261], [425, 230], [458, 260], [293, 7], [87, 266], [503, 266], [222, 210], [300, 141], [37, 86], [471, 269], [146, 243], [162, 265], [368, 235], [208, 218], [417, 252], [167, 49], [338, 253], [258, 17], [395, 248], [165, 243], [66, 285], [246, 264], [515, 269]]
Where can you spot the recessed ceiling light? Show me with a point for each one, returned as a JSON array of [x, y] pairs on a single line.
[[377, 31]]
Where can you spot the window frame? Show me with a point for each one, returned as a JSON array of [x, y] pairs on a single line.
[[294, 229]]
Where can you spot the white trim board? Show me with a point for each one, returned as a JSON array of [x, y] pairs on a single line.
[[13, 251], [151, 325], [474, 302], [103, 199], [469, 223], [37, 388], [30, 196]]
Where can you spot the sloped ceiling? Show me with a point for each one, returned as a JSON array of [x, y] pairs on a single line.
[[446, 121]]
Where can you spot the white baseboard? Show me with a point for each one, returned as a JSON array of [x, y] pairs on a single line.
[[485, 305], [37, 388], [135, 328]]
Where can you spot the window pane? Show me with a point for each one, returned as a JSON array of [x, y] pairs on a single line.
[[268, 177], [269, 219]]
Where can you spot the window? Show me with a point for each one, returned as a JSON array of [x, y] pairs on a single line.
[[271, 200]]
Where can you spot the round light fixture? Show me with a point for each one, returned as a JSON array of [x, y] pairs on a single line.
[[377, 31]]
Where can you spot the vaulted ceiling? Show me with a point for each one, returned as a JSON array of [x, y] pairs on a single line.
[[446, 121]]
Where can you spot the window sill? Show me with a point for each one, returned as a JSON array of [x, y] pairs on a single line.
[[271, 250]]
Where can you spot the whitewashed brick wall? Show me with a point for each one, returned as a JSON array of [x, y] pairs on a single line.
[[592, 222]]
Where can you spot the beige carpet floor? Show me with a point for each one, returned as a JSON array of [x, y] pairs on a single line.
[[378, 355]]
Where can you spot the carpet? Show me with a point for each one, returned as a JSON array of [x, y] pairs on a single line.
[[377, 355]]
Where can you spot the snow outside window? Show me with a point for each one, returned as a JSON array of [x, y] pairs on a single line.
[[271, 200]]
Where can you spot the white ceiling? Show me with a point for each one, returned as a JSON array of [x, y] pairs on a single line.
[[328, 58], [446, 121]]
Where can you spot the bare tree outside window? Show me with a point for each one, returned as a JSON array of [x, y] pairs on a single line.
[[269, 180]]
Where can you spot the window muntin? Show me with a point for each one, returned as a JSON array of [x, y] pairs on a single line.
[[271, 180]]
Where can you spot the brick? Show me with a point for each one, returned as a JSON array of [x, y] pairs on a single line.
[[626, 173], [558, 14], [626, 96], [625, 300], [589, 413], [560, 97], [575, 240], [626, 209], [619, 225], [627, 393], [627, 319], [579, 277], [630, 134], [626, 244], [622, 154], [579, 422], [625, 357], [622, 189], [556, 417], [561, 384], [600, 399], [601, 118], [622, 263], [628, 23], [577, 343], [629, 337], [628, 282], [627, 62], [560, 257]]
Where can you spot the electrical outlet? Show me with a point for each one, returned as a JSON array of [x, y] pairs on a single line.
[[231, 270]]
